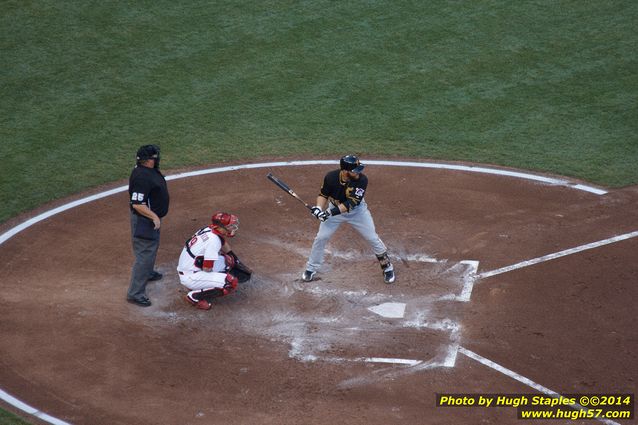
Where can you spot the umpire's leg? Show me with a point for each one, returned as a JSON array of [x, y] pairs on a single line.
[[145, 252]]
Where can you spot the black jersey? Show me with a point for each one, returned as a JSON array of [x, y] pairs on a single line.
[[147, 186], [338, 191]]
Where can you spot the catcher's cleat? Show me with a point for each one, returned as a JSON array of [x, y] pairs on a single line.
[[388, 275], [308, 275], [200, 304], [203, 305]]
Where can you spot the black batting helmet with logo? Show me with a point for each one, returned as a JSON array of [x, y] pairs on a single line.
[[351, 163]]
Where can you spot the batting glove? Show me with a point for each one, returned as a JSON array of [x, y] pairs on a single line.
[[316, 211], [323, 216]]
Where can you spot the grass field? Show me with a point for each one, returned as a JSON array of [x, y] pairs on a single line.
[[540, 85], [7, 418]]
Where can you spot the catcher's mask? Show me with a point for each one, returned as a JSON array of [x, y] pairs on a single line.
[[228, 222], [148, 152], [351, 163]]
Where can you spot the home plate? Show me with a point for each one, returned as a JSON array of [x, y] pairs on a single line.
[[389, 310]]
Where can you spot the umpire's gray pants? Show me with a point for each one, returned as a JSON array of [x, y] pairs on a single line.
[[360, 219], [145, 252]]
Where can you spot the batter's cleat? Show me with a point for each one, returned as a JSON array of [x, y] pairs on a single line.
[[141, 301], [388, 275], [308, 275], [155, 276]]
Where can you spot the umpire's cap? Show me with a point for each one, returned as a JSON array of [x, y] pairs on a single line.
[[148, 152]]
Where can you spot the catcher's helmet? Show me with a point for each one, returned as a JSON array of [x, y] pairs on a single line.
[[351, 163], [149, 152], [228, 222]]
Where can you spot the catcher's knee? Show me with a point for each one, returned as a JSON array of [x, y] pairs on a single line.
[[230, 284]]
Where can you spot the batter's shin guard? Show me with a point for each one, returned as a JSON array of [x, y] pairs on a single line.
[[384, 261], [387, 268]]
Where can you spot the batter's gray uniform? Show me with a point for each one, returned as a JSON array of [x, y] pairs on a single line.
[[360, 219], [341, 201]]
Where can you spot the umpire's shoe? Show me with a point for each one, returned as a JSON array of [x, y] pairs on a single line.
[[388, 274], [308, 275]]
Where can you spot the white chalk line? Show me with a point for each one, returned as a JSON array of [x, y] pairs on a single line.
[[541, 179], [523, 380], [6, 397], [528, 263], [556, 255], [32, 221], [449, 360], [468, 280], [387, 360], [408, 367]]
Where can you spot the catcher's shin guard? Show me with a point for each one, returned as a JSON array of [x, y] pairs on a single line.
[[206, 294], [209, 294]]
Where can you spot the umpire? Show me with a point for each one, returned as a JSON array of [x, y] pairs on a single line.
[[148, 195]]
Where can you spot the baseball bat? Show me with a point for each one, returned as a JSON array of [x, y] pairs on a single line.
[[283, 186]]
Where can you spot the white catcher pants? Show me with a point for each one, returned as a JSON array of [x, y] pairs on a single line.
[[203, 280], [360, 219], [200, 280]]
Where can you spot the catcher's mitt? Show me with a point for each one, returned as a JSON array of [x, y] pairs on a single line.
[[241, 272]]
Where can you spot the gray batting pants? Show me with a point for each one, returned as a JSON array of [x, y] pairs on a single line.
[[360, 219], [145, 252]]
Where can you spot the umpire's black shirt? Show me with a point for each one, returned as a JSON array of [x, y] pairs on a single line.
[[148, 186]]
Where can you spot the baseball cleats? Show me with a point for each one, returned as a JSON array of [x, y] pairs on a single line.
[[388, 275], [155, 276], [203, 305], [200, 304], [141, 301], [308, 275]]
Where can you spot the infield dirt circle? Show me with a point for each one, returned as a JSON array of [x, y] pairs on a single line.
[[345, 348]]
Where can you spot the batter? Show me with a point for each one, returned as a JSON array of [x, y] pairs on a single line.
[[341, 200]]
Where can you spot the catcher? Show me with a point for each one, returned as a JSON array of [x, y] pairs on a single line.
[[207, 266]]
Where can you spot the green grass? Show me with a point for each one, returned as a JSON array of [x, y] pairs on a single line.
[[7, 418], [539, 85]]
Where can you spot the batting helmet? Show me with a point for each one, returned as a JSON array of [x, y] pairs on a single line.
[[228, 222], [351, 163], [149, 152]]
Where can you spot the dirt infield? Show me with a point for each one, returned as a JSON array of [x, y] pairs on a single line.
[[346, 348]]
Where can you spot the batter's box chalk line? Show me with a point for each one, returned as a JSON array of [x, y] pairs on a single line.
[[397, 313], [468, 269]]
